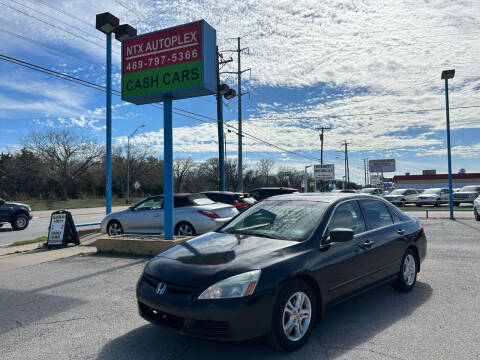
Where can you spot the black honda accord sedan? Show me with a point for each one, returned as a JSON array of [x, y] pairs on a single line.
[[275, 268]]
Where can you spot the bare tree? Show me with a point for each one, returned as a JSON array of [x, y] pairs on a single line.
[[264, 166], [64, 155], [181, 169]]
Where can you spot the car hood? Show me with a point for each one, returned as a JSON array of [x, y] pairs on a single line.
[[393, 196], [206, 259], [16, 204]]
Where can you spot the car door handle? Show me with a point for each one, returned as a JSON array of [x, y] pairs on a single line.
[[368, 243], [400, 232]]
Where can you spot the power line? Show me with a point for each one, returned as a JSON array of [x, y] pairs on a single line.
[[56, 19], [50, 47], [65, 13], [118, 93], [53, 25]]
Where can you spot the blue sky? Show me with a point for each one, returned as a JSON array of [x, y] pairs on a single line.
[[354, 66]]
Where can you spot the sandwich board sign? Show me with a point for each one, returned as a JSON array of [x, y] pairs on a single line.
[[178, 62], [62, 230], [175, 63], [325, 172]]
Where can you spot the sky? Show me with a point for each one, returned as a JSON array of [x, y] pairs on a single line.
[[369, 70]]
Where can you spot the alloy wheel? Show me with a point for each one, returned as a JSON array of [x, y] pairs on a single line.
[[409, 269], [21, 222], [297, 315], [114, 229], [185, 230]]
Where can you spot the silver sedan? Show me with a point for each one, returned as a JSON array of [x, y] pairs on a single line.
[[194, 214]]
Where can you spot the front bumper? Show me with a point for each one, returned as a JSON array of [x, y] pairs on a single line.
[[222, 319], [426, 201], [394, 201]]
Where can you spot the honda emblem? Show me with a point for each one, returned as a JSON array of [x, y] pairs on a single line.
[[161, 288]]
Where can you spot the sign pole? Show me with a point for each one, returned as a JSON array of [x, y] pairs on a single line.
[[221, 153], [108, 175], [168, 168]]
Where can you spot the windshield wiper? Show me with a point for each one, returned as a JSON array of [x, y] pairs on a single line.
[[251, 233]]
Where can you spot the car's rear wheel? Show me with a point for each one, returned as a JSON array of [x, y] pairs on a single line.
[[403, 202], [114, 228], [294, 316], [185, 229], [20, 222], [456, 204], [477, 215], [407, 276]]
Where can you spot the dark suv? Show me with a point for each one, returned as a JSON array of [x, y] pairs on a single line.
[[265, 192], [18, 215]]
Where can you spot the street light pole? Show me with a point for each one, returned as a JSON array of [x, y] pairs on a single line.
[[108, 24], [128, 161], [449, 74]]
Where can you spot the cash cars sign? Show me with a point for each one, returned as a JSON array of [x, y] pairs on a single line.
[[178, 63]]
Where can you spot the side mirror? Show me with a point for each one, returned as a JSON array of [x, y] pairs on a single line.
[[2, 202], [131, 208], [341, 235]]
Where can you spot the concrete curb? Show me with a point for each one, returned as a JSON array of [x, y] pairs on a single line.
[[137, 245]]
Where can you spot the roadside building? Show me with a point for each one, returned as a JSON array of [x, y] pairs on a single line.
[[435, 180]]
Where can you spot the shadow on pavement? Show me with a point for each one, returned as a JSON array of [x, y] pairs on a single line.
[[22, 311], [345, 326], [3, 229]]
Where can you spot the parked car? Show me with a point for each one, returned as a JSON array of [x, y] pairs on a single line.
[[240, 200], [276, 268], [476, 208], [350, 191], [194, 214], [372, 191], [434, 197], [401, 197], [17, 214], [265, 192], [466, 194]]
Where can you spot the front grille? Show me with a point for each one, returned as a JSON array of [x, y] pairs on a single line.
[[172, 288], [206, 327], [172, 321]]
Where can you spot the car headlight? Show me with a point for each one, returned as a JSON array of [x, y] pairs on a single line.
[[233, 287]]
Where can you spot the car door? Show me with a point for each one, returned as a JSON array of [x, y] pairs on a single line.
[[385, 248], [444, 195], [411, 195], [345, 268], [146, 217]]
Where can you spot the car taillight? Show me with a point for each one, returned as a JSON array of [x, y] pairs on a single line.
[[240, 205], [209, 214]]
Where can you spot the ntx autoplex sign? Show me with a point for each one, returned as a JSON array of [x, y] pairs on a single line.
[[179, 62]]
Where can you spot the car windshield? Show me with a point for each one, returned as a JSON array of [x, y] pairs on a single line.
[[431, 191], [398, 192], [279, 219], [367, 191], [471, 188]]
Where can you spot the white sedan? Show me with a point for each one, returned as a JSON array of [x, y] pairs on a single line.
[[194, 214], [476, 208]]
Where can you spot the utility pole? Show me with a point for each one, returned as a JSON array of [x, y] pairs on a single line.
[[220, 92], [323, 128], [239, 73], [365, 169], [347, 170]]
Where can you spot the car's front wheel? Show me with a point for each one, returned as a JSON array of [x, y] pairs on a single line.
[[294, 316], [407, 276], [477, 215], [114, 228], [20, 222]]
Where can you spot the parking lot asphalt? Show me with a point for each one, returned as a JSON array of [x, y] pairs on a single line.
[[85, 308]]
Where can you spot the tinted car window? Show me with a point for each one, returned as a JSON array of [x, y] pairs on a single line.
[[151, 204], [377, 213], [347, 216]]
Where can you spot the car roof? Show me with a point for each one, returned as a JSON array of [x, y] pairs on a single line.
[[274, 188], [322, 197]]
